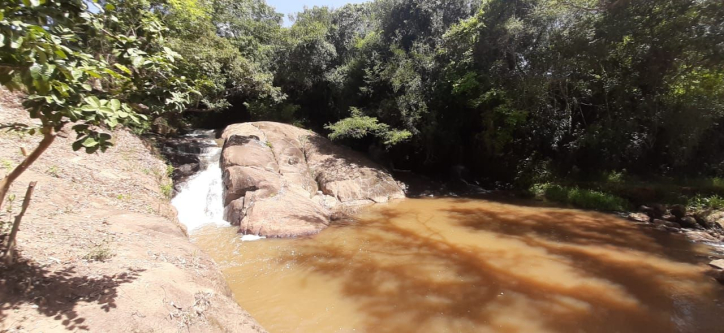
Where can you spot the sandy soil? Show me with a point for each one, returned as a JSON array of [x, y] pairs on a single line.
[[100, 248]]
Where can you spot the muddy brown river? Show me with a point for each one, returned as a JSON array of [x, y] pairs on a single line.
[[459, 265]]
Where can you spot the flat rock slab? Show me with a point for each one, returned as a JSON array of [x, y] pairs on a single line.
[[284, 181], [718, 264]]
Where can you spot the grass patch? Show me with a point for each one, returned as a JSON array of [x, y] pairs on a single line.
[[8, 165], [123, 197], [53, 171], [167, 190], [707, 202], [580, 197], [99, 253]]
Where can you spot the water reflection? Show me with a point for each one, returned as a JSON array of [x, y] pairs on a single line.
[[453, 265]]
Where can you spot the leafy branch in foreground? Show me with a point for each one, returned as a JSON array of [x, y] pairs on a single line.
[[45, 51]]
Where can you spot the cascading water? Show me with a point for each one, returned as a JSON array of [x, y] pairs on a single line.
[[200, 199]]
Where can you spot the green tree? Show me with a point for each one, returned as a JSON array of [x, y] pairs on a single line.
[[77, 68]]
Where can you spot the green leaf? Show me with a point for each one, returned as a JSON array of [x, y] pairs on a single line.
[[115, 105], [137, 61], [47, 72], [35, 71], [89, 142], [15, 44], [112, 122], [59, 53], [81, 128], [94, 74], [93, 101], [2, 36], [87, 87], [123, 68], [77, 145], [109, 7]]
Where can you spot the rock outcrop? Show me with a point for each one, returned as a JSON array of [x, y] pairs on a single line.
[[283, 181]]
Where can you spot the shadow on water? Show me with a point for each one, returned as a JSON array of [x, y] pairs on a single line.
[[480, 266]]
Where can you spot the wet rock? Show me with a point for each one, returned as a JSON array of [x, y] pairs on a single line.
[[338, 216], [658, 211], [701, 236], [639, 217], [646, 210], [665, 223], [689, 223], [716, 274], [718, 264], [183, 153], [283, 181], [183, 172], [670, 218], [678, 210], [714, 219]]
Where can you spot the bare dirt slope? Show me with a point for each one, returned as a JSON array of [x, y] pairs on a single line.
[[100, 248]]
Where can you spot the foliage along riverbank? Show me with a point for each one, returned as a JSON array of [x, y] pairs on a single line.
[[521, 92]]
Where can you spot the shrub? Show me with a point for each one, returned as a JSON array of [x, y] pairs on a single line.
[[99, 253], [581, 198], [710, 202], [167, 190]]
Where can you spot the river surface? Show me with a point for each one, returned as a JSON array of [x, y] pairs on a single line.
[[459, 265]]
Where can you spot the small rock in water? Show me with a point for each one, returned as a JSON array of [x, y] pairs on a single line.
[[638, 217], [666, 223], [658, 211], [689, 223], [646, 210], [251, 238], [719, 264], [678, 210], [670, 218]]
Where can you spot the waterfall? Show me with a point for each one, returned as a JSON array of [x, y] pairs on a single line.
[[199, 201]]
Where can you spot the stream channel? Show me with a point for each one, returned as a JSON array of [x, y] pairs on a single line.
[[459, 265]]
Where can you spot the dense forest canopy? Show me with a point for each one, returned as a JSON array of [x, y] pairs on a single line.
[[516, 90]]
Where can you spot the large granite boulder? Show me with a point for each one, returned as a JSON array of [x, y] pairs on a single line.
[[284, 181]]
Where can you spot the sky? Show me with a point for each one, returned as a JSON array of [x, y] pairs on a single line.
[[287, 7]]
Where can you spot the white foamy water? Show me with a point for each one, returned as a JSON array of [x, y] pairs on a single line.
[[251, 238], [200, 200]]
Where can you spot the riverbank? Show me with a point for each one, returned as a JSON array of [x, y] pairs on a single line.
[[100, 247], [696, 210]]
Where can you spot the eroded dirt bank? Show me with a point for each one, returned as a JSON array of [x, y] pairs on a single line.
[[100, 248]]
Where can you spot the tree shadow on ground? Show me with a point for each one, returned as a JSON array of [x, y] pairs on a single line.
[[515, 269], [57, 293]]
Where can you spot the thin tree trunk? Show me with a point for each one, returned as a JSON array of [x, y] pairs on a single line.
[[15, 174], [10, 251]]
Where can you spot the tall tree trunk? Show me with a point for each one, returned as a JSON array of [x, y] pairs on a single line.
[[48, 139]]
